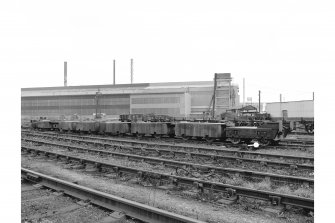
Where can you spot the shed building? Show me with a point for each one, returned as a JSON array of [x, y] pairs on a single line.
[[178, 99], [291, 110]]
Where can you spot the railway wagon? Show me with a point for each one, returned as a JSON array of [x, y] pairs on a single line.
[[70, 126], [45, 125], [88, 126], [33, 124], [131, 117], [207, 131], [156, 129], [114, 128], [265, 134]]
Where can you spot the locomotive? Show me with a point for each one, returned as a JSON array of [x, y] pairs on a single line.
[[265, 133]]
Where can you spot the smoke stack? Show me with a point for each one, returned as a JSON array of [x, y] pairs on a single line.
[[113, 72], [65, 74], [243, 92], [131, 71]]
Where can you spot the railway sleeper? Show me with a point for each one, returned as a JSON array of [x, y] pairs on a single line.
[[276, 206], [199, 186], [176, 182], [33, 177], [230, 197], [293, 167]]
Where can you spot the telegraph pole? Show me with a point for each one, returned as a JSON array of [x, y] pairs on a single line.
[[213, 112], [97, 107], [280, 112]]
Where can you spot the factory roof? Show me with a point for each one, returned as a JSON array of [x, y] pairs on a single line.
[[140, 88], [289, 101], [137, 85]]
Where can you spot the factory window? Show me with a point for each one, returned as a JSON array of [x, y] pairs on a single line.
[[161, 100], [158, 111]]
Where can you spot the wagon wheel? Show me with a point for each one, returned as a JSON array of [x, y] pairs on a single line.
[[275, 143], [247, 141], [141, 136], [156, 136], [265, 142], [209, 140], [310, 130], [236, 141], [185, 137]]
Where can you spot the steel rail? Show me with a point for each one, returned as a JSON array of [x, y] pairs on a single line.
[[297, 142], [210, 156], [284, 199], [226, 143], [131, 208], [245, 173], [239, 154]]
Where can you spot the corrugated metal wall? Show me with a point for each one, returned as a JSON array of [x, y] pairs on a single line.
[[161, 104], [201, 97], [295, 109], [186, 101], [69, 105]]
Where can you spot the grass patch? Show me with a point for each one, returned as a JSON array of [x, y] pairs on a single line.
[[304, 192]]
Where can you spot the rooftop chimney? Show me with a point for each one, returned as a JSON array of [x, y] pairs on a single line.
[[131, 71], [65, 74], [113, 72]]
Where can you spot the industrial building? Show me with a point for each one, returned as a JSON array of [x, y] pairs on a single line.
[[291, 110], [178, 99]]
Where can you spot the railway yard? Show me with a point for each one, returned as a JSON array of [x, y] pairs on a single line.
[[164, 153], [82, 177], [167, 112]]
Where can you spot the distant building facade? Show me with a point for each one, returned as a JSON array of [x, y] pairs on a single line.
[[178, 99], [291, 110]]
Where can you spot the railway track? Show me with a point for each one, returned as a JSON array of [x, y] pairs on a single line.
[[213, 169], [201, 185], [302, 133], [293, 144], [303, 162], [297, 142], [132, 209]]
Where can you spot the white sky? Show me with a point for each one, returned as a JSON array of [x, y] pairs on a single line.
[[277, 46]]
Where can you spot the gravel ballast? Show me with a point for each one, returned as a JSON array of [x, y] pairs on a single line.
[[160, 198]]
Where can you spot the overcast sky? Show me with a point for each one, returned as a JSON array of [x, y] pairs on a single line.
[[277, 46]]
